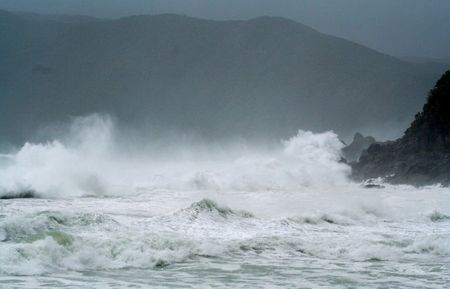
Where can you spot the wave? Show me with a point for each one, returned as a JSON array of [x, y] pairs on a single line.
[[52, 241], [23, 194], [209, 208], [333, 219], [25, 227], [92, 160], [437, 216]]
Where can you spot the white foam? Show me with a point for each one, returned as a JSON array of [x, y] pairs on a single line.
[[291, 206], [87, 161]]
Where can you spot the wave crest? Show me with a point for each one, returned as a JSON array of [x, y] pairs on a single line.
[[209, 208], [89, 161]]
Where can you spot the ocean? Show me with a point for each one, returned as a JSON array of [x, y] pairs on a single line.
[[196, 216]]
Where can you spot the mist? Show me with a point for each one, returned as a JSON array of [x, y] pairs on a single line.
[[232, 144], [88, 204], [91, 157]]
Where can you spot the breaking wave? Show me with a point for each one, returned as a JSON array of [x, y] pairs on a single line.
[[88, 161], [53, 241], [208, 208], [99, 204]]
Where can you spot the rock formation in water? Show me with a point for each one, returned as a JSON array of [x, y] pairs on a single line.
[[422, 155], [360, 143]]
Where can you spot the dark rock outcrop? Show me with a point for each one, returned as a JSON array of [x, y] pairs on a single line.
[[422, 155], [360, 143]]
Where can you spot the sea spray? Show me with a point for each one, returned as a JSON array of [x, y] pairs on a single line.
[[221, 214], [87, 160]]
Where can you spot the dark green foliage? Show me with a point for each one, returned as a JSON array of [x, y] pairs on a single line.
[[422, 155], [431, 127], [438, 106]]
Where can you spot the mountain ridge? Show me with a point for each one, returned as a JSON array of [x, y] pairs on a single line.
[[268, 75]]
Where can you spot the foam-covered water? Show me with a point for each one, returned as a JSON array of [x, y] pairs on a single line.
[[236, 217]]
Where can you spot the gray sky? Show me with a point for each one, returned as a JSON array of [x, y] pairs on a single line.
[[397, 27]]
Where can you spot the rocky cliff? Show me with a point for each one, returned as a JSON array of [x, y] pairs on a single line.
[[360, 143], [422, 155]]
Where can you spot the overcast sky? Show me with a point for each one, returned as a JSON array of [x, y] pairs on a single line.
[[397, 27]]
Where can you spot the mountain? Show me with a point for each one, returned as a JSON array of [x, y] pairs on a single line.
[[422, 155], [57, 17], [416, 59], [265, 77]]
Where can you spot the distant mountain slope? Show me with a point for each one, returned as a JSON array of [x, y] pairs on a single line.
[[426, 60], [57, 17], [266, 77]]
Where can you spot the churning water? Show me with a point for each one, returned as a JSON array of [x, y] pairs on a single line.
[[202, 217]]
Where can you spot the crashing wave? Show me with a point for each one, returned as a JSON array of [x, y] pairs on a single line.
[[51, 241], [27, 228], [332, 219], [91, 160], [437, 216], [378, 183], [20, 194], [207, 207]]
